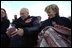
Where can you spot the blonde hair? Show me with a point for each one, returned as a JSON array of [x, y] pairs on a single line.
[[54, 7]]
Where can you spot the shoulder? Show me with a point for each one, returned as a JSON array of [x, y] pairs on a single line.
[[64, 19], [7, 21], [66, 22], [34, 17], [45, 22]]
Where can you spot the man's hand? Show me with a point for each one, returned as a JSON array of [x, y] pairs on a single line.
[[19, 32], [10, 30]]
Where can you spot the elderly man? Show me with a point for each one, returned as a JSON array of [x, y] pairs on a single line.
[[27, 27]]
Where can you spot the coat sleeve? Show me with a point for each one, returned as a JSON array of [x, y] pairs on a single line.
[[31, 31], [66, 22]]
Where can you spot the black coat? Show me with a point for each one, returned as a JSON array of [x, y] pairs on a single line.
[[4, 38], [59, 20], [30, 30], [4, 25]]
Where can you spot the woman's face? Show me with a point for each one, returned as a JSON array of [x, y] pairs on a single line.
[[3, 13], [51, 13]]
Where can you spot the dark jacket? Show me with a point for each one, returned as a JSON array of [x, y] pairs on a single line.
[[59, 20], [30, 30], [4, 38], [4, 25]]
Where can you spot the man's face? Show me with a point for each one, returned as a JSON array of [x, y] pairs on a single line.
[[51, 13], [24, 13]]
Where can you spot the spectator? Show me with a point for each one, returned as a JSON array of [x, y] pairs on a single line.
[[4, 25], [54, 20], [27, 28]]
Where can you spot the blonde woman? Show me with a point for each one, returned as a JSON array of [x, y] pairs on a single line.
[[61, 24]]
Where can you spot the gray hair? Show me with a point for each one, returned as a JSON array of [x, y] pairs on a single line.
[[24, 9]]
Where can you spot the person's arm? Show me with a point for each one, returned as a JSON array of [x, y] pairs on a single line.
[[29, 31], [62, 30], [66, 22], [35, 26]]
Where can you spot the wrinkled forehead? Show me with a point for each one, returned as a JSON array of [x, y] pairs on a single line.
[[24, 10]]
